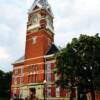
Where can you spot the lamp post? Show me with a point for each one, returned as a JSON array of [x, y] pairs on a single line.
[[44, 89]]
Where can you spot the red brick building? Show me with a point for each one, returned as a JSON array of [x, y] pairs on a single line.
[[38, 63]]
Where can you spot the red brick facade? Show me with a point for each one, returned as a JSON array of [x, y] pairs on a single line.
[[38, 63]]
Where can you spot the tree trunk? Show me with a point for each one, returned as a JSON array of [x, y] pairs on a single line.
[[92, 91], [78, 96], [78, 93], [71, 97], [93, 94], [71, 94]]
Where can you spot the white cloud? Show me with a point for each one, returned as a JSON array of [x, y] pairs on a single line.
[[4, 31], [72, 18], [4, 55], [88, 7]]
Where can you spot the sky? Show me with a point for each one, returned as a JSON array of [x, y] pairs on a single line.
[[71, 18]]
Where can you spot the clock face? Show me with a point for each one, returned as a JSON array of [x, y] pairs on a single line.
[[33, 22], [34, 19]]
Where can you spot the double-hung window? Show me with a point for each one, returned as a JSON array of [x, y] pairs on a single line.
[[48, 72], [48, 91]]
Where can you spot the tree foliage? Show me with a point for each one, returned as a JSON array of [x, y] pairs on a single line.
[[5, 84], [79, 63]]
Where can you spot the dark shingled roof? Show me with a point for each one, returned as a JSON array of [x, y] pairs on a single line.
[[53, 49]]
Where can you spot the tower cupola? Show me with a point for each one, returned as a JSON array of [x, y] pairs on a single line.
[[40, 16]]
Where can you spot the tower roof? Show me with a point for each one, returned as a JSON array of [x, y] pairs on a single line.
[[41, 4]]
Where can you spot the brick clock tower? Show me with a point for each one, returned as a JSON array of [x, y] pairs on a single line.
[[40, 30], [39, 37], [35, 68]]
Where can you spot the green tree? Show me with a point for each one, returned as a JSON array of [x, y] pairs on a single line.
[[79, 65], [5, 84]]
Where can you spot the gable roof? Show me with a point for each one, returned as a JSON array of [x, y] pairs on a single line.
[[53, 49], [20, 60]]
